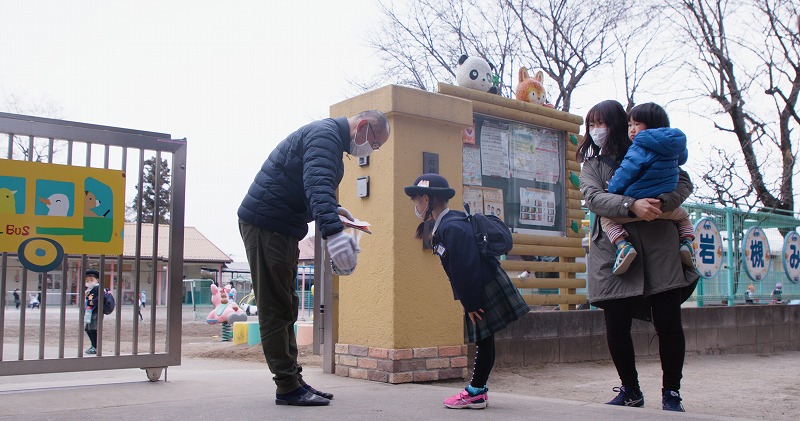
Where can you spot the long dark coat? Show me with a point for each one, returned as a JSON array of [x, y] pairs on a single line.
[[657, 267]]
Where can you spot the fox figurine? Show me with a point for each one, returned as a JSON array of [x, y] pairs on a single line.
[[531, 89]]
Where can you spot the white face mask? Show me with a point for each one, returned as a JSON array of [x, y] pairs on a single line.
[[362, 150], [417, 212], [599, 136]]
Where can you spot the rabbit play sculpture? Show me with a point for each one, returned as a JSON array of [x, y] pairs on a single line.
[[225, 311]]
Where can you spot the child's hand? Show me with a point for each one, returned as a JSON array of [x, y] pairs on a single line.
[[473, 314]]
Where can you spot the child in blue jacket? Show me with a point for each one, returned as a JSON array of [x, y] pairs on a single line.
[[650, 168]]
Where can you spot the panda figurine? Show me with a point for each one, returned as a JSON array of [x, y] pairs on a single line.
[[476, 73]]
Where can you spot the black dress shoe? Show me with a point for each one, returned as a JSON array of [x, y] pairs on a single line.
[[306, 399], [317, 392]]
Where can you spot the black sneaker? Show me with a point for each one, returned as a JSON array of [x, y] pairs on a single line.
[[671, 400], [627, 397]]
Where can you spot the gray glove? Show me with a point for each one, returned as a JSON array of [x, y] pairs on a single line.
[[346, 213], [343, 249]]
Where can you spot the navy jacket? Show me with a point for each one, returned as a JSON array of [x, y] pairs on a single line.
[[650, 167], [297, 183], [455, 245]]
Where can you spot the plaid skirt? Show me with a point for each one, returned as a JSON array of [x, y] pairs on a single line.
[[501, 303]]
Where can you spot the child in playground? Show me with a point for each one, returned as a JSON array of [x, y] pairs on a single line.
[[650, 168], [489, 298], [777, 294], [748, 295]]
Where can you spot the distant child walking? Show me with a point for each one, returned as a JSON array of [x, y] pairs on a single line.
[[92, 283], [649, 168], [489, 298]]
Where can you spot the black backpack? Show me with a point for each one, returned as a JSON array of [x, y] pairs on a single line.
[[492, 235], [108, 302]]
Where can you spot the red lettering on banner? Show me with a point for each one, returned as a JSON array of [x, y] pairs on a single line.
[[23, 231]]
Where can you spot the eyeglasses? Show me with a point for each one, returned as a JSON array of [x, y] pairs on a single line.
[[374, 144]]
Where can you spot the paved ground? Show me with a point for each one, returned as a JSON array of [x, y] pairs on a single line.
[[215, 389], [216, 376]]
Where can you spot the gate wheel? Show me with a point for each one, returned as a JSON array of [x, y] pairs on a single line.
[[154, 373]]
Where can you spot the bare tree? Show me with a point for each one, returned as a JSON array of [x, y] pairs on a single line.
[[749, 65], [421, 40], [645, 52], [37, 150], [569, 39]]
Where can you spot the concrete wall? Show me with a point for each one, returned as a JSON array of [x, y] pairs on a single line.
[[572, 336], [399, 288]]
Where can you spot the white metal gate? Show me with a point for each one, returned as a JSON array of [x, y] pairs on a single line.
[[50, 337]]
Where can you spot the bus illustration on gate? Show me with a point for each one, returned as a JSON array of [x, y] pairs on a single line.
[[48, 210]]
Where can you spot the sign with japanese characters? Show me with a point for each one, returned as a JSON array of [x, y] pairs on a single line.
[[707, 248], [518, 171], [791, 256], [755, 253]]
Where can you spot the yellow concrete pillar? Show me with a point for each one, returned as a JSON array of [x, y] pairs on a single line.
[[397, 320]]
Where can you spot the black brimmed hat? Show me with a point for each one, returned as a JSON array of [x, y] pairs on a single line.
[[93, 272], [432, 184]]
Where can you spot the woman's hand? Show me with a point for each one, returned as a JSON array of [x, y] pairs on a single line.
[[475, 314], [648, 209]]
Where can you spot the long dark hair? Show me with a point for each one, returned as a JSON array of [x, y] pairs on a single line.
[[433, 201], [613, 115]]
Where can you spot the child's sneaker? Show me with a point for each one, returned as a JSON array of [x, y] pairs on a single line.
[[625, 255], [91, 351], [671, 400], [627, 397], [686, 252], [463, 400]]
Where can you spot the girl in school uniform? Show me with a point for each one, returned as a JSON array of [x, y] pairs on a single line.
[[488, 296]]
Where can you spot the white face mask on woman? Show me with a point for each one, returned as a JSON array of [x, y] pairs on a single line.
[[599, 136]]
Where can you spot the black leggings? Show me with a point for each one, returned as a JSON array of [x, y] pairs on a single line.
[[484, 361], [92, 337], [671, 342]]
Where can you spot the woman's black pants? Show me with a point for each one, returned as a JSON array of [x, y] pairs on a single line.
[[666, 308]]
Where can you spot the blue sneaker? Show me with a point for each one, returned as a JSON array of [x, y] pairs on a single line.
[[627, 397], [671, 400], [624, 257]]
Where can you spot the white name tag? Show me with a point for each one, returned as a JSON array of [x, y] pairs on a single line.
[[440, 250]]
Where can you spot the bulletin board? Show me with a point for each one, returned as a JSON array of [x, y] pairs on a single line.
[[516, 171]]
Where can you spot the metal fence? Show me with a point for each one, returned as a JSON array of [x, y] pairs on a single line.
[[50, 337], [730, 284]]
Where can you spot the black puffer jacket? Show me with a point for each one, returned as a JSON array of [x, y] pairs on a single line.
[[297, 183]]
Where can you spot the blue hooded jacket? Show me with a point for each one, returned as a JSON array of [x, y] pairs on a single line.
[[297, 183], [650, 167]]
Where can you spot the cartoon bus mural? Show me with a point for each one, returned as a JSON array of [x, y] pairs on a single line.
[[47, 210]]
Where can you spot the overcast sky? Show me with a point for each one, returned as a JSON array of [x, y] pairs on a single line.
[[233, 77]]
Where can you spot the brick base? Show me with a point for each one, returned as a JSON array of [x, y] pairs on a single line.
[[401, 365]]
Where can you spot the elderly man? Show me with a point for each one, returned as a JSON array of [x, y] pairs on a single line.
[[296, 185]]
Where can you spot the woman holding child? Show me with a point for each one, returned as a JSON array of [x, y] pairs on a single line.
[[655, 283]]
